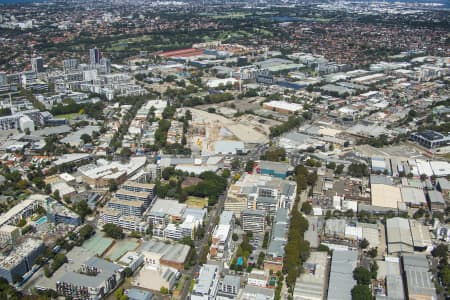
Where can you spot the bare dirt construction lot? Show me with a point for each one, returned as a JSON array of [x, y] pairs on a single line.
[[207, 128], [402, 151]]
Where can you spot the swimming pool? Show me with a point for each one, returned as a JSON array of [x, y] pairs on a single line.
[[42, 220]]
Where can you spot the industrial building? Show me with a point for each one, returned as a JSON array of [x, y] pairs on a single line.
[[406, 236], [311, 283], [282, 107], [398, 236], [418, 277], [341, 279], [157, 254], [275, 169]]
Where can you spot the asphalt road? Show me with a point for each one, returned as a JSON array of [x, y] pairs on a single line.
[[200, 244]]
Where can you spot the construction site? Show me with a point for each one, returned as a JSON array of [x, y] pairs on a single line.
[[206, 129]]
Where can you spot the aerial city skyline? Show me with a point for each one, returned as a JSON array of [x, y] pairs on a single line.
[[202, 150]]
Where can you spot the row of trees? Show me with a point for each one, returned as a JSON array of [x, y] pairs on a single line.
[[291, 123], [304, 177], [297, 249], [94, 110]]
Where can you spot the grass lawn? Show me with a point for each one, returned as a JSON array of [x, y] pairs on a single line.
[[197, 202], [67, 116]]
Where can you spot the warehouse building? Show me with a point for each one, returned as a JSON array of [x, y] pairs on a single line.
[[311, 283], [387, 196], [436, 201], [341, 279], [398, 235], [157, 254], [283, 107], [418, 277]]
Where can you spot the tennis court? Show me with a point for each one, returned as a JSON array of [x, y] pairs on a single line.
[[98, 244], [120, 248]]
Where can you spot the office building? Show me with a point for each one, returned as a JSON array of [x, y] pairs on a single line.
[[127, 208], [94, 56], [70, 64], [431, 139], [106, 64], [37, 65], [253, 220], [221, 236]]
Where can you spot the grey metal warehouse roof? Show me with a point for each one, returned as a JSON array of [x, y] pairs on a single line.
[[341, 275], [436, 197], [399, 237], [418, 278]]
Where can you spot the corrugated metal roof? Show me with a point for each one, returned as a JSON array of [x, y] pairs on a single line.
[[341, 275], [418, 278]]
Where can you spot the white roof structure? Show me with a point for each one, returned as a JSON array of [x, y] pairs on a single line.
[[424, 167], [440, 168], [384, 195], [292, 107]]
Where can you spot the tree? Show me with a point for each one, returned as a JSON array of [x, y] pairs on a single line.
[[261, 257], [235, 164], [168, 172], [164, 290], [86, 138], [358, 170], [362, 275], [323, 248], [86, 231], [372, 252], [226, 173], [361, 292], [112, 185], [265, 240], [440, 251], [249, 166], [128, 272], [331, 165], [82, 208], [307, 208], [126, 152], [419, 213], [22, 223], [235, 237], [56, 195], [363, 244], [113, 231]]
